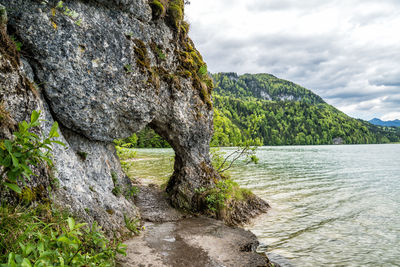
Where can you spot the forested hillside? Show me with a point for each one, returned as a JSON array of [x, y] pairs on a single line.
[[261, 86], [273, 111]]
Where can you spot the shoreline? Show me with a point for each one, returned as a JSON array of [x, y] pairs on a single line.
[[172, 238]]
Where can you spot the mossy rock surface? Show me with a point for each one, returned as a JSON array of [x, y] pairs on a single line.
[[157, 9], [175, 14]]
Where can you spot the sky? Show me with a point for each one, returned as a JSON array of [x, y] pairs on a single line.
[[346, 51]]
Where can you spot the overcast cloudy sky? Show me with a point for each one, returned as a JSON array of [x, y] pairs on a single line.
[[346, 51]]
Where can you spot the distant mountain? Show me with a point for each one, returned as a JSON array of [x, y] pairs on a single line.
[[270, 111], [376, 121], [262, 86]]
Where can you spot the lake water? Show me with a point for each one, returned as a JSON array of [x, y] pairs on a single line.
[[330, 205]]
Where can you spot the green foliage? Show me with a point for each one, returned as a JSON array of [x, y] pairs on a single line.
[[262, 86], [83, 155], [223, 162], [18, 44], [125, 153], [128, 68], [202, 70], [72, 14], [160, 54], [117, 191], [3, 15], [142, 56], [26, 149], [133, 224], [132, 192], [148, 138], [78, 22], [225, 191], [305, 120], [114, 177], [44, 236]]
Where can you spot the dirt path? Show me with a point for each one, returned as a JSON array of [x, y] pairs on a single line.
[[173, 239]]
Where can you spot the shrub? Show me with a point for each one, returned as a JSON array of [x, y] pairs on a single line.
[[125, 153], [26, 149], [44, 236], [225, 191], [132, 192], [132, 224], [202, 70]]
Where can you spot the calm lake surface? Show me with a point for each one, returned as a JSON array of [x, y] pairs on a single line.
[[330, 205]]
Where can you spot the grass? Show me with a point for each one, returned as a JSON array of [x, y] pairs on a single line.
[[43, 235]]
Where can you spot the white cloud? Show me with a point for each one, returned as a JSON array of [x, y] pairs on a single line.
[[391, 116], [347, 51]]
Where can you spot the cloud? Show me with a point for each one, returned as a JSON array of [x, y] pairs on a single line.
[[347, 51], [391, 116]]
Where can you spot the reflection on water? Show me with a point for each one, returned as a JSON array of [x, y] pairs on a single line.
[[331, 205]]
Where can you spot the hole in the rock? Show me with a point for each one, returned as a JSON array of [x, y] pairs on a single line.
[[146, 157]]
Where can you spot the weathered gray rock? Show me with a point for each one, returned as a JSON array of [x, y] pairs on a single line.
[[105, 70], [103, 79], [85, 186]]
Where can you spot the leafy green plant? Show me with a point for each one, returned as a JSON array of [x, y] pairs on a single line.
[[225, 190], [41, 239], [128, 68], [114, 177], [72, 14], [24, 150], [116, 190], [125, 153], [18, 44], [78, 22], [133, 224], [202, 70], [132, 192]]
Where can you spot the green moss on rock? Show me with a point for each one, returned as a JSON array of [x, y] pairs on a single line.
[[143, 60], [157, 9], [175, 14]]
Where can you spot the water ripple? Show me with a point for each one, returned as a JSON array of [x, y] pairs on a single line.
[[331, 205]]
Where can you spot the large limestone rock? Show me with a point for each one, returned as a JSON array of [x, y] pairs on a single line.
[[85, 185], [105, 69]]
